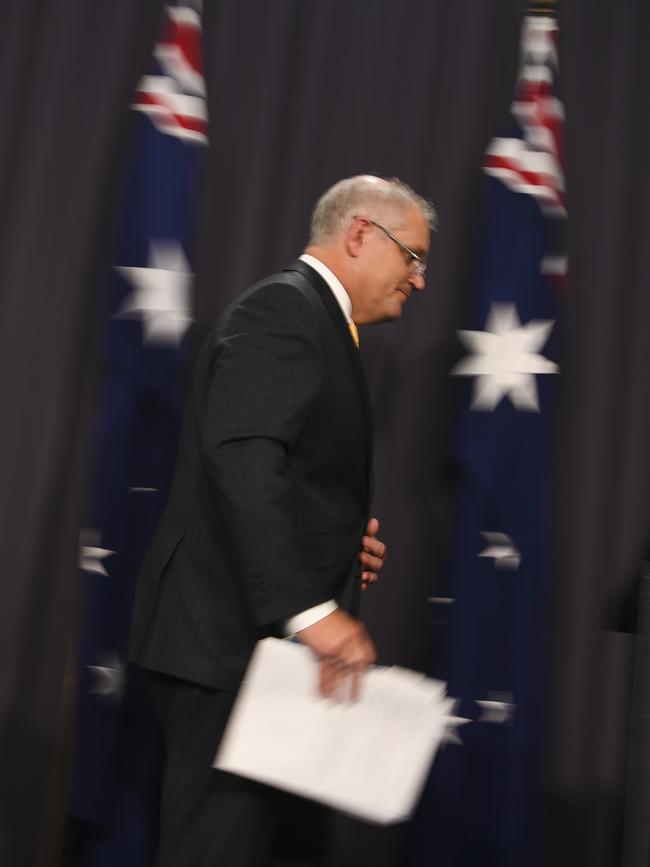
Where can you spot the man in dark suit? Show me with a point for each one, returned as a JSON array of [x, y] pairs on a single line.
[[267, 529]]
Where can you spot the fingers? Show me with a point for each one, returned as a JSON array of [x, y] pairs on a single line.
[[374, 548], [339, 682], [373, 527], [372, 559], [340, 675], [344, 651], [372, 562], [372, 555], [330, 675]]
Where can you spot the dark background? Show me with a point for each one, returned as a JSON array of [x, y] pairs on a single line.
[[301, 94]]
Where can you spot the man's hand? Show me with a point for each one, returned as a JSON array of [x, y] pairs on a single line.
[[373, 554], [344, 649]]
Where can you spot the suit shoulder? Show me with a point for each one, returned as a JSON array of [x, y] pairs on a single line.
[[276, 298], [284, 288]]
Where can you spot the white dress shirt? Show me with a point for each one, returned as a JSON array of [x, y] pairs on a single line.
[[318, 612], [338, 289]]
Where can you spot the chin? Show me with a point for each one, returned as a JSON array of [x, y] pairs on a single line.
[[400, 305], [393, 314]]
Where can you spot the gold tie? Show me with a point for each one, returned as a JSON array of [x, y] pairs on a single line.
[[354, 332]]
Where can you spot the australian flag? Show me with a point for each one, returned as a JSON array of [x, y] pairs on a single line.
[[115, 785], [482, 803]]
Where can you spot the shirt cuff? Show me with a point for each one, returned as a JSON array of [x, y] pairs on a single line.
[[307, 618]]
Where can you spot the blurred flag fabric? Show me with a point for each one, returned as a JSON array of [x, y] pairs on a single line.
[[115, 782], [482, 803]]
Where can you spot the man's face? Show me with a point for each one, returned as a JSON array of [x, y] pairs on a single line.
[[386, 275]]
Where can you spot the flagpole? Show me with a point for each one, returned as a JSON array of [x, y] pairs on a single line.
[[636, 822]]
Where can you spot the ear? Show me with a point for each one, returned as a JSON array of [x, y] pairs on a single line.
[[355, 236]]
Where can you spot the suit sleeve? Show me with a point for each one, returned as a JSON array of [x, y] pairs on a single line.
[[267, 374]]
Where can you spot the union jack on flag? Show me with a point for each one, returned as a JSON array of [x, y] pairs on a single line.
[[174, 100]]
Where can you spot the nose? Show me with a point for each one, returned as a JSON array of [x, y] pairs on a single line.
[[417, 281]]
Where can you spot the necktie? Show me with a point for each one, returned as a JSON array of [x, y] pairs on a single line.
[[354, 332]]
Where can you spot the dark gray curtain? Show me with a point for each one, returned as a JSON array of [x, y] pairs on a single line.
[[603, 450], [67, 70], [302, 94]]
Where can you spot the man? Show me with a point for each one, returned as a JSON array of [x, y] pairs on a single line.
[[269, 509]]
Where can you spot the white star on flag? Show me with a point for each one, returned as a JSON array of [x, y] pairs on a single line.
[[498, 709], [109, 676], [505, 359], [161, 294], [91, 554], [501, 548], [452, 722]]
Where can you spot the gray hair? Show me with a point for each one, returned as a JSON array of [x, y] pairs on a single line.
[[381, 199]]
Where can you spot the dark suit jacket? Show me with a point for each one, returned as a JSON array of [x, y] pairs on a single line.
[[271, 490]]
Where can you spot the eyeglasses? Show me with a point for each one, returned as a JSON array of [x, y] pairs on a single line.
[[418, 266]]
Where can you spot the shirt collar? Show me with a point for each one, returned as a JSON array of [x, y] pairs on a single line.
[[338, 290]]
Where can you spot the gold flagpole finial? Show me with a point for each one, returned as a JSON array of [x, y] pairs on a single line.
[[542, 7]]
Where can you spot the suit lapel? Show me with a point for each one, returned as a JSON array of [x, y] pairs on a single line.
[[340, 323]]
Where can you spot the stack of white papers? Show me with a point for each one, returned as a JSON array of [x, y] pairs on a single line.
[[369, 758]]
